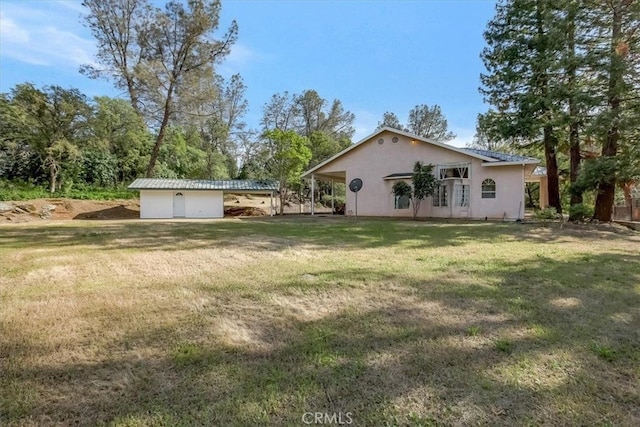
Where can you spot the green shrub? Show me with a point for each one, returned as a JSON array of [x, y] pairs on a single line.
[[580, 212], [547, 214], [325, 200], [19, 190]]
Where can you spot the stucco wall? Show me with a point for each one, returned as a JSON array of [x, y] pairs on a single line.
[[509, 201], [372, 161], [198, 204]]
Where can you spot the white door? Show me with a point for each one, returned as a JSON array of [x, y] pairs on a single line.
[[178, 205]]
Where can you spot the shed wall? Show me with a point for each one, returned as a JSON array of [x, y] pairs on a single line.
[[158, 204]]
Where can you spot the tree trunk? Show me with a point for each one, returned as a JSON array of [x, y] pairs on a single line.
[[283, 196], [52, 180], [553, 183], [161, 132], [541, 76], [606, 190]]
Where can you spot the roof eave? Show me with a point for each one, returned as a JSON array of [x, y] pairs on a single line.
[[517, 163]]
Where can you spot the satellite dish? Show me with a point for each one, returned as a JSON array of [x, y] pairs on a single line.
[[355, 185]]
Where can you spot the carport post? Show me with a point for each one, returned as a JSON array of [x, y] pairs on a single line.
[[333, 199], [271, 204], [313, 194]]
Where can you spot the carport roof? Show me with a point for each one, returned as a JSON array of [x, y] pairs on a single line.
[[228, 185]]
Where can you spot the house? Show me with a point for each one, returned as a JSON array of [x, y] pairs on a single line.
[[188, 198], [474, 183]]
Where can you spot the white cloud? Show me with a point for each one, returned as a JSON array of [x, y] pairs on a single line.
[[10, 32], [28, 35], [238, 59]]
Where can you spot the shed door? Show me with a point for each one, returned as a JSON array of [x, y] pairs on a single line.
[[178, 205]]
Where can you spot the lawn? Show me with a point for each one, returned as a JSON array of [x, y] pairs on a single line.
[[261, 321]]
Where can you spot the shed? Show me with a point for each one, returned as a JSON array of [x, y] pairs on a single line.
[[193, 198]]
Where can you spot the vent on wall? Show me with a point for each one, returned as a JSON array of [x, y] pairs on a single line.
[[394, 139], [380, 141]]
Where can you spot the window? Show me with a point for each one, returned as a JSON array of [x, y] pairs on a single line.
[[440, 196], [453, 171], [488, 189], [402, 202], [461, 195]]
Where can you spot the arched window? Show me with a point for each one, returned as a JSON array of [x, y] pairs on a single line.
[[488, 189]]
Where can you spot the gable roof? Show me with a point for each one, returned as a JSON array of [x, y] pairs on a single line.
[[485, 155], [231, 185]]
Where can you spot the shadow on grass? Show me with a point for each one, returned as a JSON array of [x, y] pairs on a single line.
[[533, 360], [283, 233]]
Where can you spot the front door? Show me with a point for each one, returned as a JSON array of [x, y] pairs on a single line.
[[178, 205]]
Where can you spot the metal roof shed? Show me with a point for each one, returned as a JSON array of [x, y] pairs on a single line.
[[193, 198]]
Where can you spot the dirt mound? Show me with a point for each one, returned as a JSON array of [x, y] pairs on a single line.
[[244, 211], [116, 212], [65, 209]]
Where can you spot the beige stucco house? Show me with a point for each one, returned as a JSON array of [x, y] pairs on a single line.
[[474, 183]]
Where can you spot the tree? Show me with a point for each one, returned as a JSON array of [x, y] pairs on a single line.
[[618, 21], [389, 120], [116, 129], [54, 122], [281, 112], [327, 126], [288, 155], [483, 141], [219, 121], [334, 121], [425, 121], [423, 185], [523, 44], [429, 122], [160, 56]]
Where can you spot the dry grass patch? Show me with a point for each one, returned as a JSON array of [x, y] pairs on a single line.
[[259, 321]]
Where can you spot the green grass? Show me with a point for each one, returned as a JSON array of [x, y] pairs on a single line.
[[259, 321]]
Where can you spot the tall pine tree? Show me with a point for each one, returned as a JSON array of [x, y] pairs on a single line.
[[521, 58]]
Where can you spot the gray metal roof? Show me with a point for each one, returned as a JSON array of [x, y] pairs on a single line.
[[504, 157], [228, 185], [398, 175]]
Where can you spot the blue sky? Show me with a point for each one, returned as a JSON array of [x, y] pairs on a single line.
[[374, 56]]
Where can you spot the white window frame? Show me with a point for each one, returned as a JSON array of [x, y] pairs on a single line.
[[461, 193], [488, 193], [454, 167], [440, 197]]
